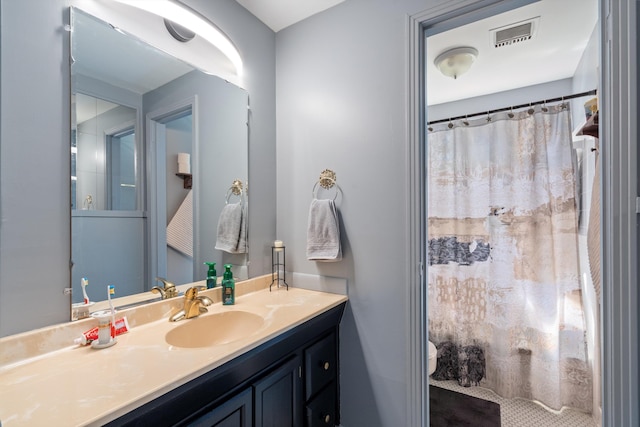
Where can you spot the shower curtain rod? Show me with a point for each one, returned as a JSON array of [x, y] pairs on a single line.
[[515, 107]]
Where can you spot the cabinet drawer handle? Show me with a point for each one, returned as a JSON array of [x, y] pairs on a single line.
[[327, 419], [325, 366]]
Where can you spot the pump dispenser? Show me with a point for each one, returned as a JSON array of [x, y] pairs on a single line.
[[228, 286], [211, 275]]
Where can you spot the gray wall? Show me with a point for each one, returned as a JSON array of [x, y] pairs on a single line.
[[35, 165], [503, 99], [35, 227], [342, 104], [100, 255]]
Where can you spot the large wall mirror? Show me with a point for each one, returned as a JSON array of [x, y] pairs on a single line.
[[136, 212]]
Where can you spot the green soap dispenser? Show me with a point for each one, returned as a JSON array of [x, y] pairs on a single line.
[[211, 275], [228, 286]]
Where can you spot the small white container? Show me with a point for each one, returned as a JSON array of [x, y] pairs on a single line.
[[80, 310]]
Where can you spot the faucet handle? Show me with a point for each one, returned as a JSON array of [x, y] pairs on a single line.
[[192, 293], [167, 284], [169, 288]]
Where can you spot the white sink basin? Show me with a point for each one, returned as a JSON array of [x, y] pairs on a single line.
[[214, 329]]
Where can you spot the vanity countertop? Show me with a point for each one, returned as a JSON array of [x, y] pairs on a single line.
[[78, 386]]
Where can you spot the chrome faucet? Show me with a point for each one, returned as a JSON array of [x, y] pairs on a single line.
[[169, 290], [194, 305]]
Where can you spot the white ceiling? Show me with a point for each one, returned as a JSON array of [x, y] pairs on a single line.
[[552, 54], [279, 14]]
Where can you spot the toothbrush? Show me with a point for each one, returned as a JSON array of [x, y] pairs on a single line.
[[84, 283], [111, 290]]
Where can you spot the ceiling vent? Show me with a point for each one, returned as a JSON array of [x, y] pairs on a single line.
[[514, 33]]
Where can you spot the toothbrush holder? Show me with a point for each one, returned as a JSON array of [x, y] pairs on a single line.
[[106, 329]]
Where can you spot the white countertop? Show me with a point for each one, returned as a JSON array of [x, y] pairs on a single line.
[[79, 386]]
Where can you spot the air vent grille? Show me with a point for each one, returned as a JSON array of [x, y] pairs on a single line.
[[514, 33]]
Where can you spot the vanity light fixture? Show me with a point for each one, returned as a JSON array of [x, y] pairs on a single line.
[[455, 62], [188, 18]]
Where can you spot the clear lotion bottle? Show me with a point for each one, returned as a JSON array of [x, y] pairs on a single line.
[[228, 286]]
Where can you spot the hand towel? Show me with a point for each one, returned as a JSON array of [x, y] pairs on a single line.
[[231, 229], [180, 228], [242, 239], [323, 232]]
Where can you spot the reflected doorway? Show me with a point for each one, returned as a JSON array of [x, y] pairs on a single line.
[[179, 139]]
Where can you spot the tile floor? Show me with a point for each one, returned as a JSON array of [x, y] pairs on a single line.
[[521, 412]]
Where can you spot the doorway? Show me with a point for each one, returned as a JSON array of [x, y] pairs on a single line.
[[618, 123], [179, 216], [513, 67], [171, 143]]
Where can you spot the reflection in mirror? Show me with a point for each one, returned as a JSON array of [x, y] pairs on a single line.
[[135, 110], [103, 153]]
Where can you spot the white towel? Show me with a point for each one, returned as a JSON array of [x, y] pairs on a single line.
[[180, 228], [232, 229], [323, 232]]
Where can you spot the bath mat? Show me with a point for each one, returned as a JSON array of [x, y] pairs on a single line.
[[451, 409]]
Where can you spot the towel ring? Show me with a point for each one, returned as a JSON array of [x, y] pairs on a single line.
[[236, 189], [327, 181]]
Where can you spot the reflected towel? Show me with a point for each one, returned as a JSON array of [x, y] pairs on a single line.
[[323, 232], [232, 229], [242, 239], [180, 228]]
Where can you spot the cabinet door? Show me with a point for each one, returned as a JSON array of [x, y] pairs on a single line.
[[321, 365], [321, 411], [278, 397], [235, 412]]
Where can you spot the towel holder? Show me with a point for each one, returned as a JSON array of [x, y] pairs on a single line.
[[236, 189], [327, 181]]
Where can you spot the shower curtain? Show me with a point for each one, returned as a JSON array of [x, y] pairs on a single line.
[[503, 254]]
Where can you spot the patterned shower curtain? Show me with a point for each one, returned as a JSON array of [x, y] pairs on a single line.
[[503, 255]]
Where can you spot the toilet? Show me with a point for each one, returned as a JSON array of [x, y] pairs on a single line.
[[433, 357]]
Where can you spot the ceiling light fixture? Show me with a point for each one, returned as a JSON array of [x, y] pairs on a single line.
[[456, 62], [191, 20]]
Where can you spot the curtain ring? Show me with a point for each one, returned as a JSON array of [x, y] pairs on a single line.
[[450, 125], [544, 106], [511, 115], [465, 121], [531, 110], [488, 117], [563, 106]]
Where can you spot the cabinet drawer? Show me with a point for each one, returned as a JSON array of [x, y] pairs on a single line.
[[321, 411], [320, 365]]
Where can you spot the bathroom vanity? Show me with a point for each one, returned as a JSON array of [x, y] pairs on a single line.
[[290, 380], [282, 370]]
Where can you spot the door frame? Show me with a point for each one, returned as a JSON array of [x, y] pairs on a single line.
[[619, 219], [156, 167]]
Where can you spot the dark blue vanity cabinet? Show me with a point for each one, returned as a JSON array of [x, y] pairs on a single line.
[[291, 380]]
